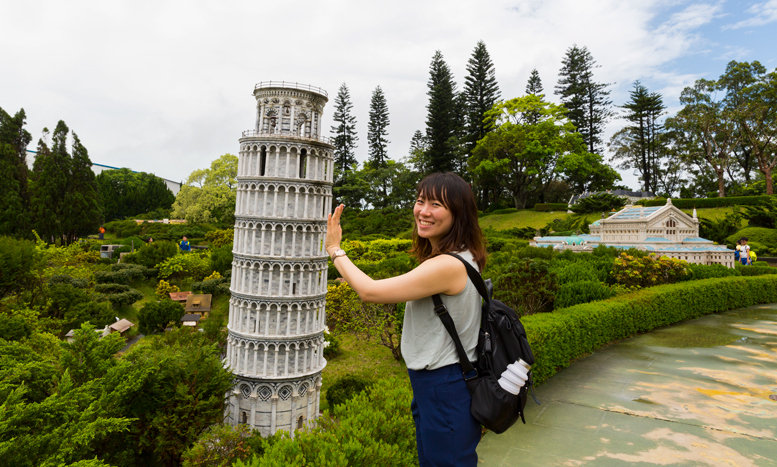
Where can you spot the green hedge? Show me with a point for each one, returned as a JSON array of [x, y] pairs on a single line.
[[706, 202], [545, 207], [560, 337]]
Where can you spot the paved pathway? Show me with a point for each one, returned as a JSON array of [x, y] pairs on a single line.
[[700, 393]]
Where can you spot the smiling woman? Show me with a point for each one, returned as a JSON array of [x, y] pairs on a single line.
[[445, 216]]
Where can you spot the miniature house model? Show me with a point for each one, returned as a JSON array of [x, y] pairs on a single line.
[[278, 289], [663, 230]]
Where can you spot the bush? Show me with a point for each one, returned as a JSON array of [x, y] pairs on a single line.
[[185, 265], [706, 202], [601, 202], [756, 269], [154, 317], [221, 258], [152, 254], [18, 261], [709, 271], [374, 428], [632, 271], [111, 288], [345, 388], [65, 279], [216, 286], [567, 334], [121, 299], [764, 236], [568, 272], [331, 344], [526, 285], [574, 293], [14, 327], [546, 207], [164, 289], [218, 238]]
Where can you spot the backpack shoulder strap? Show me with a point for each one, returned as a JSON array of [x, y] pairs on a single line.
[[439, 308]]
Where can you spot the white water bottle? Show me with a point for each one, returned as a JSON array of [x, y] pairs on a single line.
[[515, 376]]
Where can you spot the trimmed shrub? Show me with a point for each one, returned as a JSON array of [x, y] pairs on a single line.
[[164, 289], [756, 269], [546, 207], [646, 271], [185, 265], [217, 286], [345, 388], [152, 254], [331, 345], [762, 235], [111, 288], [121, 299], [65, 279], [575, 293], [121, 274], [218, 238], [706, 202], [709, 271], [526, 285], [567, 334], [568, 272], [221, 258]]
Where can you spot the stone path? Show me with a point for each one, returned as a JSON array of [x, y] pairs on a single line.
[[700, 393]]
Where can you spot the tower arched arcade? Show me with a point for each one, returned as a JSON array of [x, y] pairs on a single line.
[[277, 309]]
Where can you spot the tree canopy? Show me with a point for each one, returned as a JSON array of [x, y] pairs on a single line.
[[209, 194]]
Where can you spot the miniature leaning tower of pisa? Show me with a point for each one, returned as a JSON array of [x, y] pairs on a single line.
[[279, 273]]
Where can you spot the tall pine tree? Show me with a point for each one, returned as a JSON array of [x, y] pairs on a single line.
[[638, 144], [377, 130], [345, 137], [441, 117], [14, 193], [82, 202], [586, 100], [534, 86], [481, 92]]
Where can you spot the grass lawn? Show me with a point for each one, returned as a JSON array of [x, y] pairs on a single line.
[[536, 220], [525, 218], [363, 358]]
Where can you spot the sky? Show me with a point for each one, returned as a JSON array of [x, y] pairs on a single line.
[[166, 86]]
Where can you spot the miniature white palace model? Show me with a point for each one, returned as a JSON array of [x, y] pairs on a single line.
[[279, 272], [663, 230]]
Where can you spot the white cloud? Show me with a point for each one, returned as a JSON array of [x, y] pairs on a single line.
[[165, 87], [762, 13]]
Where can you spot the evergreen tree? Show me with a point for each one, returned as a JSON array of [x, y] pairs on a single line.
[[639, 149], [441, 118], [377, 130], [586, 100], [49, 184], [534, 86], [15, 198], [82, 211], [481, 92], [345, 136]]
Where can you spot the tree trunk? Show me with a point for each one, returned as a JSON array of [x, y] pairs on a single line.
[[768, 174], [721, 183]]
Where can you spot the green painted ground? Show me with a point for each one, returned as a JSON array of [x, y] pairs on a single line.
[[700, 393]]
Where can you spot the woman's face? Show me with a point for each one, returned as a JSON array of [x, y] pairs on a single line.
[[432, 219]]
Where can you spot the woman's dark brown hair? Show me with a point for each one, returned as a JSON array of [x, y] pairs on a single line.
[[465, 234]]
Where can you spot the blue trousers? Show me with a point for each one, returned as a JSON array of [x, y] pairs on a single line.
[[446, 433]]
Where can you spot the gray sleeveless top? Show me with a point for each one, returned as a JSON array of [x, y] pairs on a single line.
[[426, 344]]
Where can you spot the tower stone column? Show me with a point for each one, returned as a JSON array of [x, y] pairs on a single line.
[[279, 272]]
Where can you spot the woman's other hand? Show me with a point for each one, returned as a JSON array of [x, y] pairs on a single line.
[[333, 231]]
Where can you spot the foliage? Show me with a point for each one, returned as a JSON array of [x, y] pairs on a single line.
[[173, 387], [14, 184], [125, 298], [151, 254], [332, 344], [219, 238], [220, 445], [573, 293], [586, 268], [213, 285], [586, 171], [440, 118], [691, 203], [600, 202], [760, 235], [209, 194], [155, 317], [375, 428], [121, 274], [221, 258], [587, 101], [14, 327], [18, 261], [390, 222], [367, 320], [124, 193], [632, 271], [549, 207], [525, 154], [526, 285], [481, 92], [709, 271], [567, 334], [163, 290], [718, 229], [377, 131], [345, 388], [762, 214], [345, 137], [192, 265]]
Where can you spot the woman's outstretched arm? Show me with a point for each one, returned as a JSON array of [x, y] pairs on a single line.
[[442, 274]]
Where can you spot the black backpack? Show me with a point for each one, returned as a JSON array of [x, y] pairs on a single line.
[[501, 341]]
